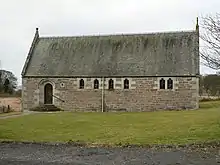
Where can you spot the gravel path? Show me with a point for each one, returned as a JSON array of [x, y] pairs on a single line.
[[36, 154], [22, 114]]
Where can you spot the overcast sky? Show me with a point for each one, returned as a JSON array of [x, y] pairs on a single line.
[[19, 19]]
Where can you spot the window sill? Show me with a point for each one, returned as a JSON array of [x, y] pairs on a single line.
[[166, 89]]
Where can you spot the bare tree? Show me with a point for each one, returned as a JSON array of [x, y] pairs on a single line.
[[210, 52]]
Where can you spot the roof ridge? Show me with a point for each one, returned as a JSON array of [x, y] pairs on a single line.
[[120, 34]]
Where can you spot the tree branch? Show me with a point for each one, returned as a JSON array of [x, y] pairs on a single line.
[[210, 53]]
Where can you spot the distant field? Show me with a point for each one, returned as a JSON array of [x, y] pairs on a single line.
[[13, 102], [165, 127]]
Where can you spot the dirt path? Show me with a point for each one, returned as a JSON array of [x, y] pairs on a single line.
[[35, 154], [16, 115]]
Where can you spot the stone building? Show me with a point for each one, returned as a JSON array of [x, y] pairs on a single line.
[[128, 72]]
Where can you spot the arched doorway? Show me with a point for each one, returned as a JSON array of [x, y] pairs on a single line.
[[48, 94]]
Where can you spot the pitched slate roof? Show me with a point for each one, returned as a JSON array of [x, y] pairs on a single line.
[[161, 54]]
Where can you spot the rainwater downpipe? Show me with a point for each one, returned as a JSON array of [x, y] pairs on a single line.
[[103, 84]]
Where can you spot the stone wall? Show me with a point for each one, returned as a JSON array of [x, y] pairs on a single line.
[[143, 94]]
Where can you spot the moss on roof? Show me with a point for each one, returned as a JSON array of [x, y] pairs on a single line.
[[162, 54]]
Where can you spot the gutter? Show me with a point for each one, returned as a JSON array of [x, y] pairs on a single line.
[[103, 84]]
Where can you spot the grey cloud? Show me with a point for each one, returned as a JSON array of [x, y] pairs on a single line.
[[76, 17]]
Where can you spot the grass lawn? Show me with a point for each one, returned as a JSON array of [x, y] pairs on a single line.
[[170, 127]]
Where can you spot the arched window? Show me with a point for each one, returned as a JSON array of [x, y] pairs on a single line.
[[96, 84], [126, 84], [169, 83], [162, 83], [81, 84], [110, 84]]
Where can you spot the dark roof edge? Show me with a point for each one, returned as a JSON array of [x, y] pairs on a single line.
[[121, 34], [109, 76], [35, 40]]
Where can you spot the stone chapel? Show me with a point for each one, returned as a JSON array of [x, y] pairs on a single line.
[[118, 72]]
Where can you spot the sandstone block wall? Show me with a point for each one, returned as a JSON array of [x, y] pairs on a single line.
[[143, 94]]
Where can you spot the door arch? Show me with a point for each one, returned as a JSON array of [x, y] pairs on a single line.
[[48, 94]]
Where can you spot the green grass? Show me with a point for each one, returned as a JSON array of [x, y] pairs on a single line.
[[166, 127]]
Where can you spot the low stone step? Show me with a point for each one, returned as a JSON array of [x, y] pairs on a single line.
[[51, 107], [46, 108]]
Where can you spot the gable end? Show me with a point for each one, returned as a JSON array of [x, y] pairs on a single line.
[[35, 40]]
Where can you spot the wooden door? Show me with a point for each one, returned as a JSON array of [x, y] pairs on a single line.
[[48, 94]]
